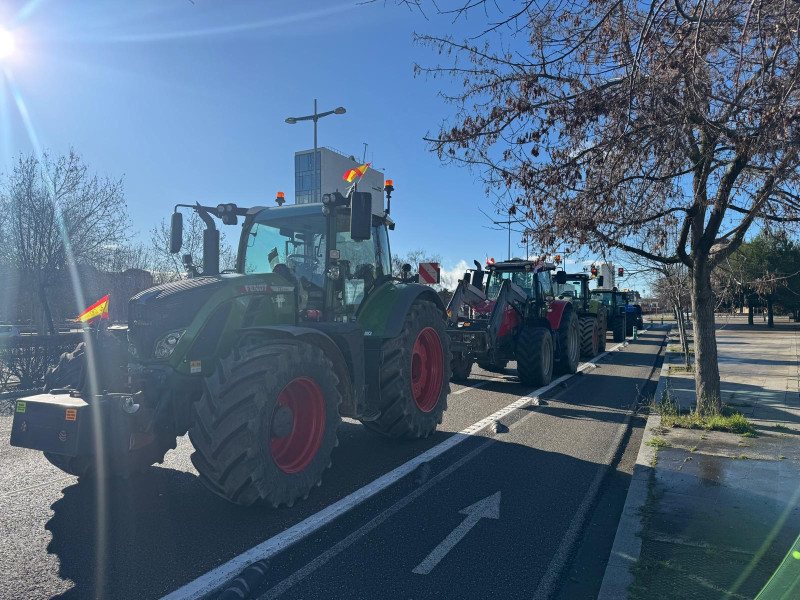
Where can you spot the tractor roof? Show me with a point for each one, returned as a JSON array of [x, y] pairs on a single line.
[[287, 211], [517, 264]]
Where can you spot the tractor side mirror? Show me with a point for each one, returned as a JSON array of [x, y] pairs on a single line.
[[561, 277], [405, 270], [361, 216], [600, 281], [176, 233]]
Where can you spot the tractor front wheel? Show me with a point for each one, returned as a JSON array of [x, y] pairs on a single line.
[[590, 337], [460, 367], [414, 375], [569, 343], [534, 353], [265, 427], [619, 329]]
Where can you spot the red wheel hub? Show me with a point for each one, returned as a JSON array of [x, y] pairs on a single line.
[[293, 451], [427, 369]]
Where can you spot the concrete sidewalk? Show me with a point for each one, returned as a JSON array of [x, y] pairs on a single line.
[[712, 514]]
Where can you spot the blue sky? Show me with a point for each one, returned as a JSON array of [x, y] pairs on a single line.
[[188, 100]]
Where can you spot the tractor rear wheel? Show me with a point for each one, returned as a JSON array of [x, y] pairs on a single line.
[[414, 375], [618, 328], [265, 427], [602, 324], [460, 367], [534, 353], [569, 344], [590, 337]]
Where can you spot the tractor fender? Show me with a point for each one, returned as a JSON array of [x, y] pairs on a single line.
[[556, 312], [323, 341], [383, 313]]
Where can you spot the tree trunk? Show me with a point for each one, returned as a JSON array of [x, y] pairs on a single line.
[[706, 368], [770, 314], [749, 311]]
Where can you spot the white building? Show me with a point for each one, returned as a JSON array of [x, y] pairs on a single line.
[[330, 168]]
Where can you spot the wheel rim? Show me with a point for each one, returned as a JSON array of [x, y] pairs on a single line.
[[294, 451], [427, 369]]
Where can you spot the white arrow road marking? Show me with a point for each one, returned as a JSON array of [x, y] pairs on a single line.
[[488, 508]]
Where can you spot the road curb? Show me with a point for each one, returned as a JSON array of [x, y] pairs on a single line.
[[627, 541]]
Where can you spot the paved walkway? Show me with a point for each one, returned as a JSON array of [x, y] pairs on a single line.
[[713, 514]]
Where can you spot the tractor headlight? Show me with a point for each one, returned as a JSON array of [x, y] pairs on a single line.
[[165, 345]]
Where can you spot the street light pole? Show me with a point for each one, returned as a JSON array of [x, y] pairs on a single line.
[[315, 117]]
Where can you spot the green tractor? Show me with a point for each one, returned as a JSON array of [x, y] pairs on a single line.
[[616, 310], [258, 364], [591, 312]]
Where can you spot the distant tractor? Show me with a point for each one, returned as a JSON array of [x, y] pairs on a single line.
[[616, 311], [591, 312], [509, 313], [260, 363]]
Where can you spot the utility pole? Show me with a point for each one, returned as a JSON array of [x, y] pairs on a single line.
[[508, 223]]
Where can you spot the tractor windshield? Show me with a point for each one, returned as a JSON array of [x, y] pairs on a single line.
[[570, 289], [293, 246], [606, 298], [524, 279]]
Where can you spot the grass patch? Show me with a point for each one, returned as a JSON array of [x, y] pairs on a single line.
[[693, 448], [680, 369], [742, 457], [781, 457], [677, 349], [729, 420], [780, 427], [750, 434], [657, 442]]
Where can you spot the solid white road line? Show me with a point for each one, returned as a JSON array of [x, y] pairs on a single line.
[[212, 580], [480, 384]]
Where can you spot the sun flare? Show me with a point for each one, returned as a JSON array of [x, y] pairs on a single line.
[[6, 44]]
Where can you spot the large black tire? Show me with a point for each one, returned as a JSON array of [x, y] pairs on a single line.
[[495, 366], [460, 367], [569, 343], [618, 328], [602, 323], [415, 375], [534, 353], [265, 426], [590, 337]]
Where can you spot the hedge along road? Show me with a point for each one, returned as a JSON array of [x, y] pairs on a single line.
[[148, 536]]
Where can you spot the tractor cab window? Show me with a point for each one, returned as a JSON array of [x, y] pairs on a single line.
[[545, 283], [294, 249], [524, 279], [361, 263], [569, 290], [604, 297]]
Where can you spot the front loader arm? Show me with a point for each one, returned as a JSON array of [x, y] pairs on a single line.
[[510, 295], [465, 293]]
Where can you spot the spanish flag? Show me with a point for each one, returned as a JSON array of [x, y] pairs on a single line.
[[357, 172], [98, 310]]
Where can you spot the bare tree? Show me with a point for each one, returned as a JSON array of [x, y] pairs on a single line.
[[57, 215], [169, 267], [615, 123]]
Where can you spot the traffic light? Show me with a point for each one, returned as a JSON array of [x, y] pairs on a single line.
[[620, 271], [558, 258], [594, 271]]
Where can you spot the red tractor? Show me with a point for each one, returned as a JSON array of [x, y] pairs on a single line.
[[510, 312]]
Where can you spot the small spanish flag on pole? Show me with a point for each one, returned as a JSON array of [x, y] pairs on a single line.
[[98, 310], [357, 172]]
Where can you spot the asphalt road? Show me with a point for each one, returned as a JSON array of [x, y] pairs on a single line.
[[542, 495]]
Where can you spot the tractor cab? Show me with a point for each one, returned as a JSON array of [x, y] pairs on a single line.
[[313, 247]]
